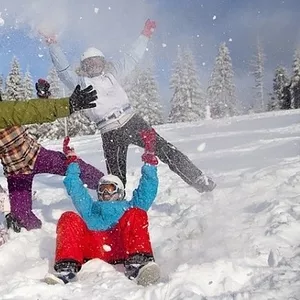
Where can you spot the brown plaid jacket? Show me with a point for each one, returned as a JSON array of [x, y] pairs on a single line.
[[18, 151]]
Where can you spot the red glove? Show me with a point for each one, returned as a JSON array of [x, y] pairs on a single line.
[[69, 152], [149, 28], [149, 138]]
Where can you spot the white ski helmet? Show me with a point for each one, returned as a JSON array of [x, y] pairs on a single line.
[[116, 181], [91, 52]]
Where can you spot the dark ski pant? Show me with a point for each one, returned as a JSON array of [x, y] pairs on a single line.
[[115, 147], [20, 185]]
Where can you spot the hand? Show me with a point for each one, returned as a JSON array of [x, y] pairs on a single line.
[[82, 99], [149, 138], [49, 39], [150, 158], [42, 88], [69, 152], [149, 28]]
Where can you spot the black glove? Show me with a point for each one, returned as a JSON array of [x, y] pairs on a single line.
[[82, 99], [42, 89]]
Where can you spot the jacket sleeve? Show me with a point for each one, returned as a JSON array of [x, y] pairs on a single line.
[[131, 58], [146, 192], [79, 194], [62, 66], [32, 111]]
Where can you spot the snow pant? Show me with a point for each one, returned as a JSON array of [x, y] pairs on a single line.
[[75, 242], [115, 147], [20, 185]]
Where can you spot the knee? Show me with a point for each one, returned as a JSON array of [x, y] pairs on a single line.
[[69, 218]]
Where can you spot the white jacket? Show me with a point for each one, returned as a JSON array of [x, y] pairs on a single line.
[[112, 99]]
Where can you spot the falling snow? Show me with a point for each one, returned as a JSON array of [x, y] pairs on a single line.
[[106, 248], [201, 147]]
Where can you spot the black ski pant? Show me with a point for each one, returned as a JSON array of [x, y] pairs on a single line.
[[115, 146]]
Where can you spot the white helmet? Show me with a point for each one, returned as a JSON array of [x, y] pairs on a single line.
[[116, 193], [91, 52]]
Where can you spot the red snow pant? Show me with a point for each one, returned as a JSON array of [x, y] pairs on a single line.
[[129, 236]]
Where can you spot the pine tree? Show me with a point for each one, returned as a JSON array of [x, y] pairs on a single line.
[[221, 88], [27, 86], [198, 100], [188, 101], [296, 80], [257, 65], [144, 97], [55, 86], [14, 83], [281, 96]]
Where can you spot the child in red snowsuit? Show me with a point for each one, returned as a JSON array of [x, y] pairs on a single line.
[[112, 228]]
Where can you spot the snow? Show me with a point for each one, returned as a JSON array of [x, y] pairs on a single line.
[[1, 20], [201, 147], [239, 242]]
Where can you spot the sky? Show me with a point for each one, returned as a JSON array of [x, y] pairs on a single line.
[[239, 242], [113, 25]]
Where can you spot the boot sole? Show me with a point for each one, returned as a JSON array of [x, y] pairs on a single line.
[[52, 279], [149, 274]]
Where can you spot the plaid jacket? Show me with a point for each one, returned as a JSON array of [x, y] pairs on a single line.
[[18, 151]]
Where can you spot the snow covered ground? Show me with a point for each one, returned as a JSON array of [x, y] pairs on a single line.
[[240, 242]]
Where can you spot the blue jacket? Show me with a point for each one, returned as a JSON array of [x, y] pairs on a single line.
[[102, 215]]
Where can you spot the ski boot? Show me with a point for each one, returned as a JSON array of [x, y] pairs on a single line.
[[65, 272], [142, 269], [12, 223], [204, 184]]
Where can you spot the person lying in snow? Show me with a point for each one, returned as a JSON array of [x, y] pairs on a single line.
[[110, 228], [38, 111], [22, 157], [119, 124]]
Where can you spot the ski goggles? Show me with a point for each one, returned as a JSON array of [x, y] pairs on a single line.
[[107, 188]]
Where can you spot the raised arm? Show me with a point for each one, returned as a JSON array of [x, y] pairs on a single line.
[[146, 192], [77, 191], [132, 57], [60, 62], [62, 66]]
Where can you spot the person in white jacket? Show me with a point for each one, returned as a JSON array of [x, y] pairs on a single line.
[[114, 116]]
